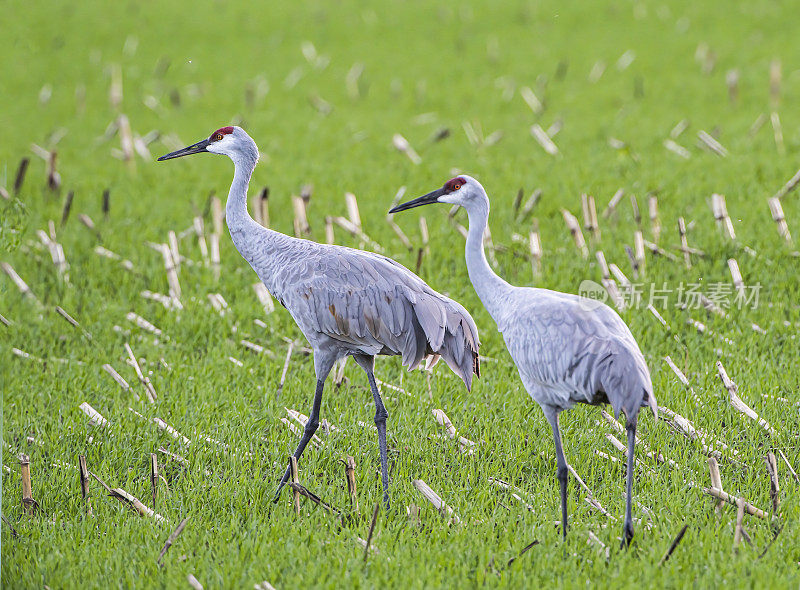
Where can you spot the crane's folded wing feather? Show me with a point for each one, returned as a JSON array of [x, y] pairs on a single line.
[[377, 306], [568, 352]]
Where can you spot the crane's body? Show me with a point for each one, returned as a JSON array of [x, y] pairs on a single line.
[[346, 302], [571, 350], [374, 307], [567, 349]]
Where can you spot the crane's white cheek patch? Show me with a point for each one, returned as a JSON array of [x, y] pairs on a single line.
[[449, 198], [220, 147]]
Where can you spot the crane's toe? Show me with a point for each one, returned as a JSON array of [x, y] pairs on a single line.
[[285, 478], [627, 535]]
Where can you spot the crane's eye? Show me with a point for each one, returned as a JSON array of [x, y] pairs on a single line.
[[217, 136], [456, 186]]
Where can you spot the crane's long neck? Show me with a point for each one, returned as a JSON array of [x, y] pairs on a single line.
[[240, 224], [257, 244], [491, 289]]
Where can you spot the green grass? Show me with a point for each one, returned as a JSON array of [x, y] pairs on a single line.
[[454, 62]]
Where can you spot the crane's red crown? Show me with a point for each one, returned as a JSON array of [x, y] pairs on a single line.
[[222, 131], [454, 184]]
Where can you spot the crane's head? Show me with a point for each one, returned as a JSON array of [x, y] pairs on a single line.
[[230, 141], [460, 190]]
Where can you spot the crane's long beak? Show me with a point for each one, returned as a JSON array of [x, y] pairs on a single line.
[[431, 197], [196, 148]]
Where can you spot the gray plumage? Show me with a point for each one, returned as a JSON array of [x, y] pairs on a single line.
[[567, 349], [346, 302]]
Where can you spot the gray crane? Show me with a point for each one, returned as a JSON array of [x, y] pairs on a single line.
[[567, 349], [345, 301]]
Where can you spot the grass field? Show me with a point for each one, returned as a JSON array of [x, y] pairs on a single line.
[[614, 80]]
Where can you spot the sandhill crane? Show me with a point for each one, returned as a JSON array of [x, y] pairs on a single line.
[[567, 349], [345, 301]]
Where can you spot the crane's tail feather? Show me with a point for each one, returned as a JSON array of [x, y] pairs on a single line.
[[445, 329], [627, 384], [464, 364], [650, 400]]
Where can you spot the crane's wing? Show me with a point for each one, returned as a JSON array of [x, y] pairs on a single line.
[[569, 351], [378, 306]]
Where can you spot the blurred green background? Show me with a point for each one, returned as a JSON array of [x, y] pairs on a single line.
[[323, 87]]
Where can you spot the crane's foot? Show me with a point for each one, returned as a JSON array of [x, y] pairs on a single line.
[[277, 495], [285, 478], [627, 536]]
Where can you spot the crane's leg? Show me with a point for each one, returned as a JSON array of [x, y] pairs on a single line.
[[627, 527], [562, 470], [322, 366], [367, 363]]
